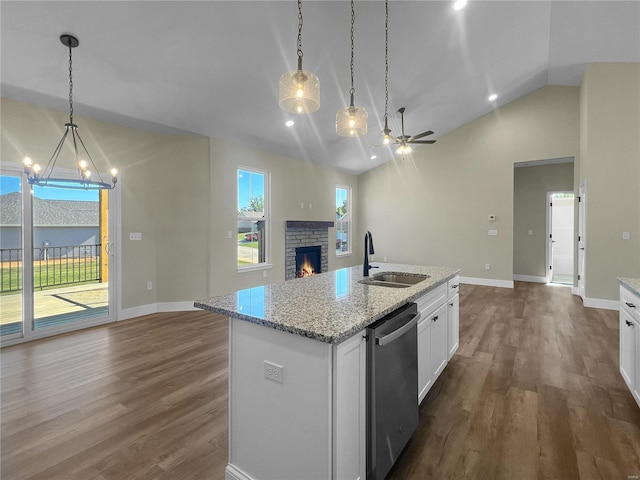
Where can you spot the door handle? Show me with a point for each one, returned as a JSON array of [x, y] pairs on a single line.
[[387, 339]]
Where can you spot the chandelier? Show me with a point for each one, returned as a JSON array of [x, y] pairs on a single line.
[[85, 179], [351, 121], [299, 89]]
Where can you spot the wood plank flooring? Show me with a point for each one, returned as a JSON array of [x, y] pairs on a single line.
[[534, 392]]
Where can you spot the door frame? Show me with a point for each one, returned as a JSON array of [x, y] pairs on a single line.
[[582, 237]]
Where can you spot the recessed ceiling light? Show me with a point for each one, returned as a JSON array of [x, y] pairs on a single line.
[[373, 157], [290, 123], [459, 4], [493, 97]]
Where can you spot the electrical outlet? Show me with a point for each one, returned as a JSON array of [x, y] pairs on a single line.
[[530, 232], [135, 236], [274, 372], [149, 285], [385, 258], [487, 266], [229, 234], [626, 235]]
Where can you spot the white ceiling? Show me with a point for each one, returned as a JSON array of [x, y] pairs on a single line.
[[212, 67]]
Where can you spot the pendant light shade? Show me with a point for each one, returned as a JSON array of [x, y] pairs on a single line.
[[351, 121], [299, 90]]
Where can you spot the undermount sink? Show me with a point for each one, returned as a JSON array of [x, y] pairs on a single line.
[[394, 279]]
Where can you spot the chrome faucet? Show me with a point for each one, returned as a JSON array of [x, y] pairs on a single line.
[[368, 250]]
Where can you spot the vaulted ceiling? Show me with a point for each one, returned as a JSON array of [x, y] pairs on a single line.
[[212, 67]]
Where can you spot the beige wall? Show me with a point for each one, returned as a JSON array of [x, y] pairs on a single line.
[[179, 191], [610, 164], [162, 196], [292, 182], [433, 208], [531, 185]]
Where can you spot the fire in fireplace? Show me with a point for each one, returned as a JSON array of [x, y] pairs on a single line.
[[308, 261]]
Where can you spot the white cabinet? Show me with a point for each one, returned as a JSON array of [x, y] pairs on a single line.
[[453, 315], [438, 350], [349, 407], [630, 341], [437, 333]]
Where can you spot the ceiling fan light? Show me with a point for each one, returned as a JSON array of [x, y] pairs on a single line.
[[299, 92], [351, 121], [404, 150]]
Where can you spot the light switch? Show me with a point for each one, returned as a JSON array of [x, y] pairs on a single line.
[[135, 236], [626, 235], [493, 233], [530, 232]]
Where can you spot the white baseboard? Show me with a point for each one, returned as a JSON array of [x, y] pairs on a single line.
[[529, 278], [487, 282], [601, 303], [233, 473], [575, 291], [133, 312]]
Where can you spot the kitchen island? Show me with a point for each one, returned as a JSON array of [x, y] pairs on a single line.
[[297, 364]]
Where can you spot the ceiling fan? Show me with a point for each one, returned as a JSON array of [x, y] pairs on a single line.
[[403, 141]]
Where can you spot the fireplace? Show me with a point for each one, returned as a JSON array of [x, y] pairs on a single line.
[[305, 233], [308, 261]]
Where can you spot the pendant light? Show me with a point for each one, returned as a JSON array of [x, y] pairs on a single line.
[[351, 121], [386, 139], [82, 161], [299, 89]]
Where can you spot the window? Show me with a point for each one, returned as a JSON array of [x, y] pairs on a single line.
[[253, 217], [343, 220]]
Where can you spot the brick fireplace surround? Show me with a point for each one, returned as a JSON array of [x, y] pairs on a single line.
[[303, 233]]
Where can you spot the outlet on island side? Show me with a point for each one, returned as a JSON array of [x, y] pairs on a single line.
[[273, 372]]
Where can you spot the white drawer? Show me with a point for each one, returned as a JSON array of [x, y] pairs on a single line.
[[453, 286], [630, 302], [430, 301]]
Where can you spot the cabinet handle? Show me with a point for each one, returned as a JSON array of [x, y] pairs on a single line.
[[435, 319], [451, 304], [454, 286], [630, 305], [629, 324]]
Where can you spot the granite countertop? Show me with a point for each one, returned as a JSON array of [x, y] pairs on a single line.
[[329, 307], [631, 284]]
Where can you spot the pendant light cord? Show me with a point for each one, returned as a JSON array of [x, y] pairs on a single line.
[[353, 20], [300, 29], [70, 86], [386, 60]]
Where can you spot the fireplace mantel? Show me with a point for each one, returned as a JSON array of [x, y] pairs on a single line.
[[311, 224]]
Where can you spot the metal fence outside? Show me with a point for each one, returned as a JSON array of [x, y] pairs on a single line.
[[52, 266]]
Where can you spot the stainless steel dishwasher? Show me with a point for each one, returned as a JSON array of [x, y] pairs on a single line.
[[392, 388]]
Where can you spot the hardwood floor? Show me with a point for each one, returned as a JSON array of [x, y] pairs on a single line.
[[534, 392]]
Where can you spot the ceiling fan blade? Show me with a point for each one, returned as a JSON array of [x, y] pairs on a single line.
[[423, 142], [420, 135]]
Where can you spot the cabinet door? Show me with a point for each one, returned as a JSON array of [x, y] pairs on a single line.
[[627, 348], [453, 326], [438, 351], [636, 386], [349, 427], [424, 369]]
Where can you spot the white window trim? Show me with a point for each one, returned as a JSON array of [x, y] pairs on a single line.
[[350, 212], [267, 215]]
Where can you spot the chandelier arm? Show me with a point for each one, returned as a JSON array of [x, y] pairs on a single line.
[[54, 157], [95, 169]]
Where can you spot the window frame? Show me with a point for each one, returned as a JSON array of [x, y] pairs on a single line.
[[267, 219], [349, 222]]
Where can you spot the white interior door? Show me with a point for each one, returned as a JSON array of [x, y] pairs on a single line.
[[560, 237]]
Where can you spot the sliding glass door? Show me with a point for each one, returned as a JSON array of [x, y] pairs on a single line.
[[58, 258]]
